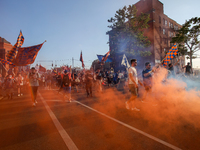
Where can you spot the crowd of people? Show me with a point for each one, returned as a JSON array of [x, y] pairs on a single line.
[[11, 85], [69, 80]]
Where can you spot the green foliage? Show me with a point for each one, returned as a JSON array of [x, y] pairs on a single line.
[[188, 38], [128, 31]]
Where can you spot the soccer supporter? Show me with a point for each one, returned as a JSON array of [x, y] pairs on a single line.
[[1, 86], [133, 86], [188, 69], [66, 85], [99, 79], [20, 82], [48, 79], [34, 78], [88, 83], [76, 82], [43, 81], [59, 79], [8, 86], [147, 79]]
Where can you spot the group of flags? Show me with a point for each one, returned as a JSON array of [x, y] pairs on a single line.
[[102, 58], [21, 56], [106, 58], [169, 56]]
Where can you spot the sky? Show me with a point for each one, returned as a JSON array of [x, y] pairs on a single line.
[[72, 26]]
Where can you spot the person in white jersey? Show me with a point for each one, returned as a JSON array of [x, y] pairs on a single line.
[[133, 86]]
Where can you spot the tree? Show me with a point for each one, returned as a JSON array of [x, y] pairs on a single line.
[[128, 31], [188, 38]]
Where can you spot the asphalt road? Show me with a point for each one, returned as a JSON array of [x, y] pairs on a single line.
[[97, 123]]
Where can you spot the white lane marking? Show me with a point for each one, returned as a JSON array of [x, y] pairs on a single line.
[[68, 141], [54, 100], [132, 128]]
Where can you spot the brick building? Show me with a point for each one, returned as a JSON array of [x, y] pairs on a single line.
[[5, 46], [160, 32]]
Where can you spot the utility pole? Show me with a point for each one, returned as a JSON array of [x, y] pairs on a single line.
[[72, 62]]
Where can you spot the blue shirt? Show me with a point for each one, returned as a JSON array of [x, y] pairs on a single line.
[[148, 79]]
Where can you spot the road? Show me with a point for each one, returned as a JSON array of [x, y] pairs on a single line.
[[97, 123]]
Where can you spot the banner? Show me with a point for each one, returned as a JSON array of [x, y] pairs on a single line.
[[100, 57], [4, 62], [27, 55], [125, 62], [170, 55], [105, 57], [12, 53], [81, 59], [42, 69]]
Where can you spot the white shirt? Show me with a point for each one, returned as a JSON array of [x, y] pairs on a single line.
[[133, 72], [120, 75]]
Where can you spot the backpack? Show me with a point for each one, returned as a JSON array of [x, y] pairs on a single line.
[[66, 80]]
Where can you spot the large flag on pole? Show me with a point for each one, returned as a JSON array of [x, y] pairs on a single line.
[[125, 62], [4, 62], [105, 57], [170, 55], [42, 69], [13, 52], [81, 59], [27, 55], [100, 57]]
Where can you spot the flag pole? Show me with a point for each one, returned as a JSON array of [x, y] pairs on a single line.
[[4, 67]]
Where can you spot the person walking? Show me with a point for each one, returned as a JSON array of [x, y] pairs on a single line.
[[19, 80], [147, 79], [34, 84], [88, 83], [66, 85], [133, 86], [188, 69]]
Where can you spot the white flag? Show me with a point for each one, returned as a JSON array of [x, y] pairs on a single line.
[[125, 62]]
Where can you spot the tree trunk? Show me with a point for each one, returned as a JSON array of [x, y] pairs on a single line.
[[191, 57]]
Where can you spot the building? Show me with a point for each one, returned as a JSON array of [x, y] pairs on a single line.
[[5, 46], [160, 32]]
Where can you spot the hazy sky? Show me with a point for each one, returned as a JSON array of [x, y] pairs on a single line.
[[70, 26]]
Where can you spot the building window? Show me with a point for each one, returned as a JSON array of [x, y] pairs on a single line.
[[164, 31], [165, 22], [160, 29], [159, 19], [171, 26], [175, 27], [171, 34]]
